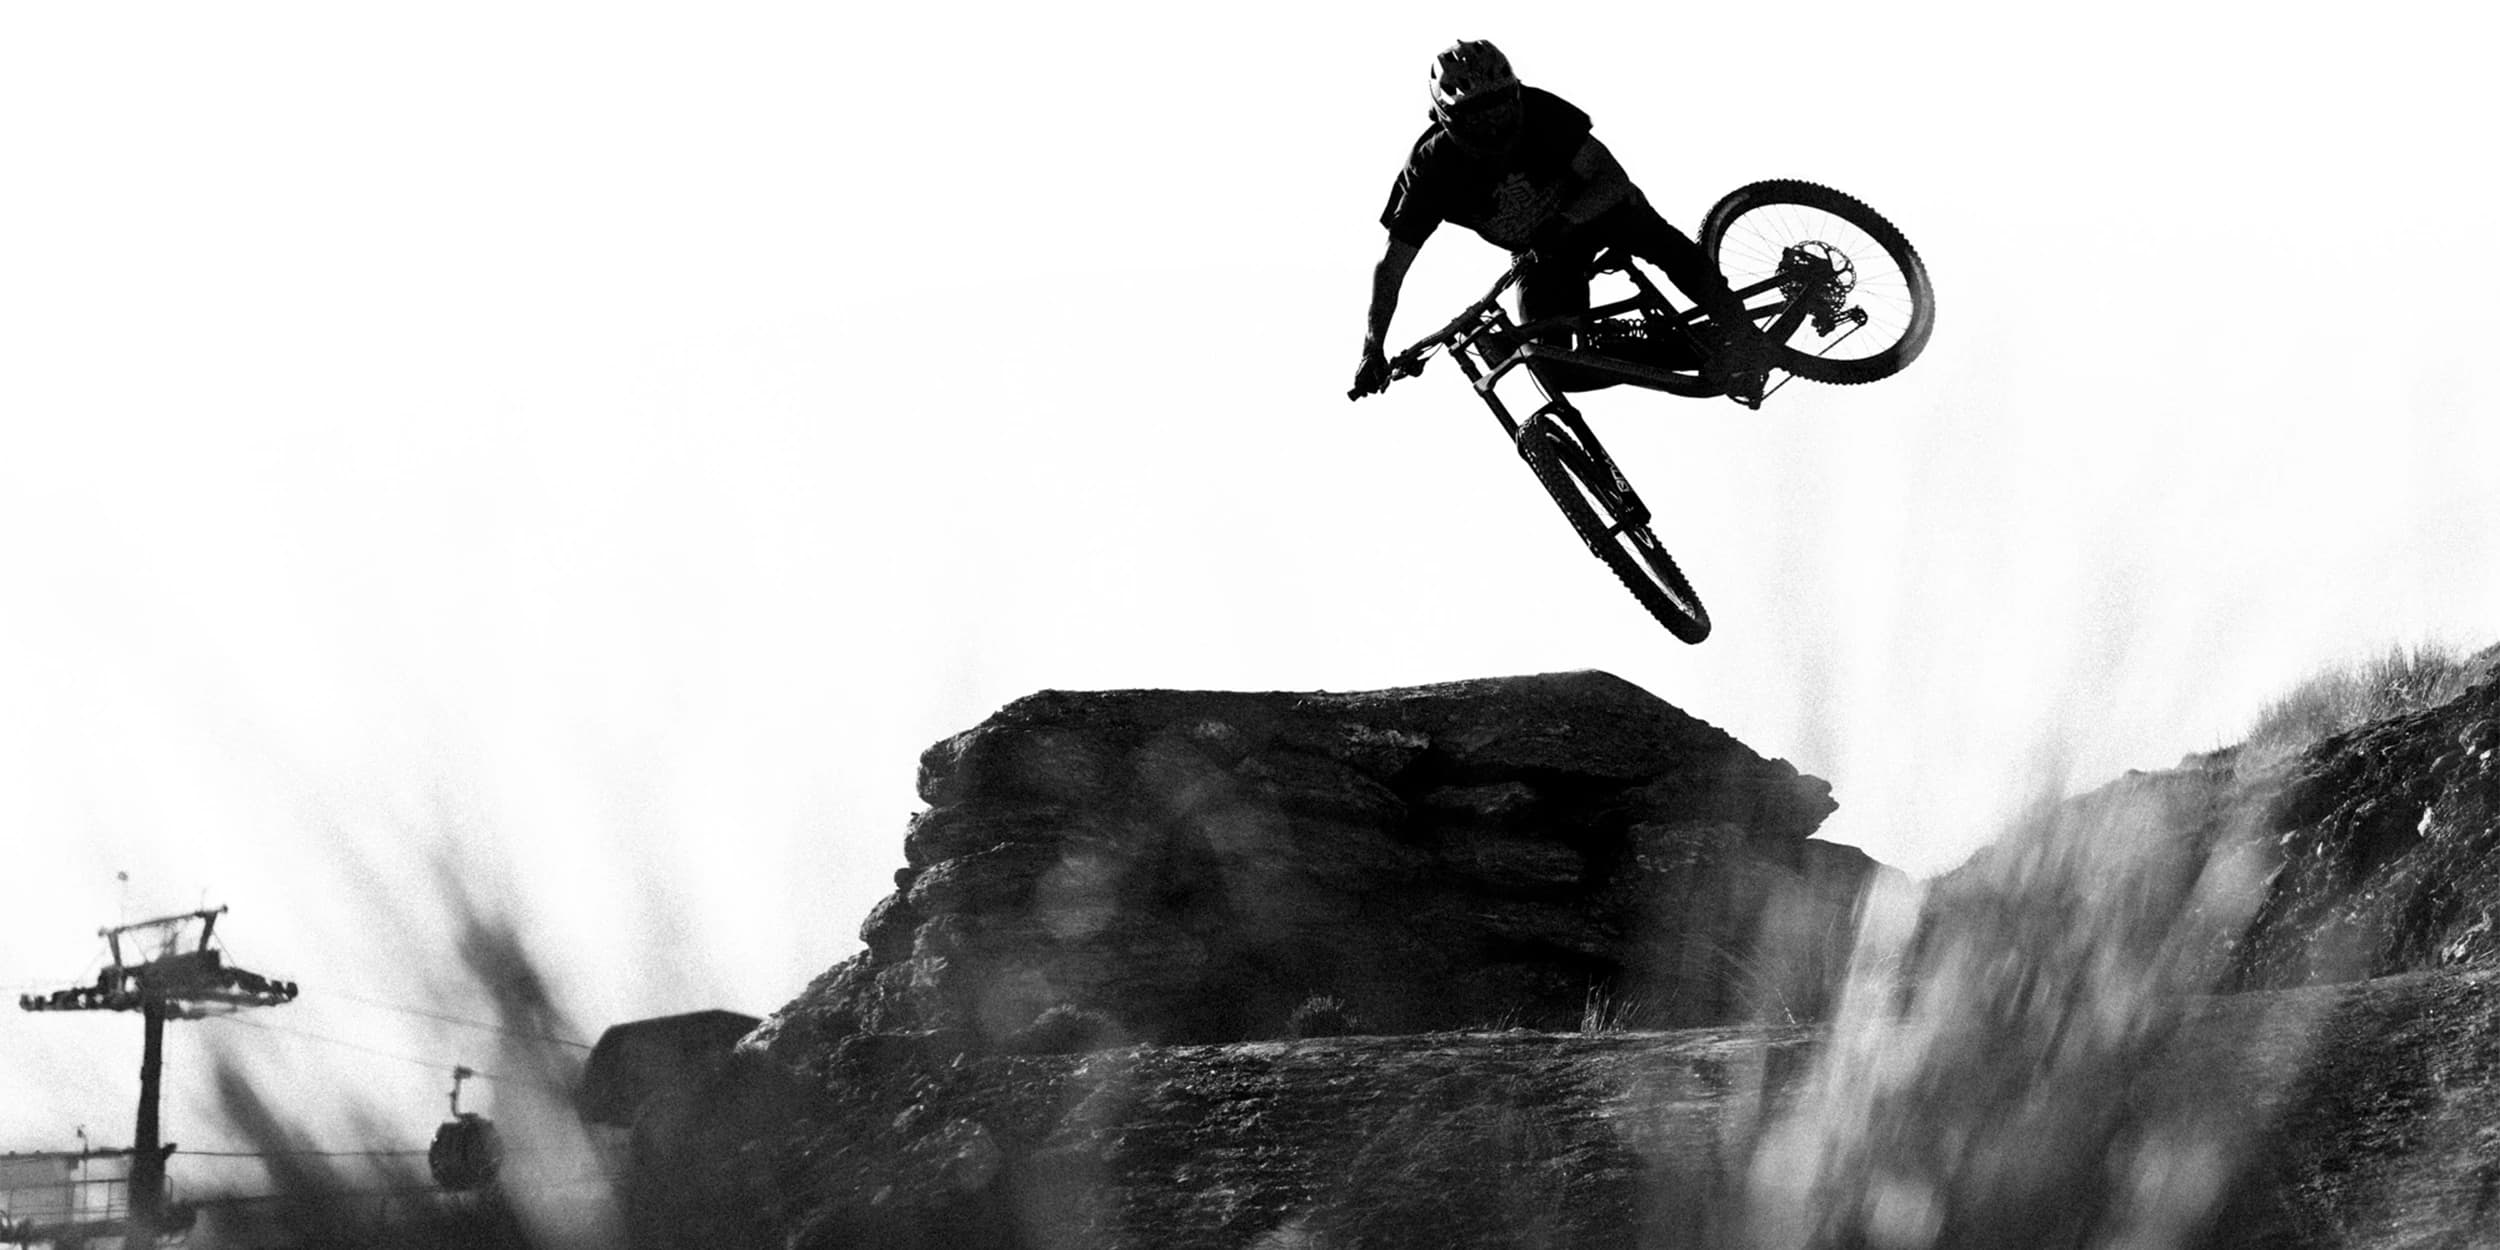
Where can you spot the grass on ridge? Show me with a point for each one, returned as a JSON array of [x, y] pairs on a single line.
[[2395, 682]]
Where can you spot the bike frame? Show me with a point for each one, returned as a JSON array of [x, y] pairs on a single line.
[[1473, 337], [1486, 318], [1488, 344], [1646, 341]]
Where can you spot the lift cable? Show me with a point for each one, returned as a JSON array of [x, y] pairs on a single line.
[[459, 1020], [188, 1153], [335, 1041], [436, 1064]]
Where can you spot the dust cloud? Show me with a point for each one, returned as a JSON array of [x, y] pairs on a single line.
[[2001, 1070]]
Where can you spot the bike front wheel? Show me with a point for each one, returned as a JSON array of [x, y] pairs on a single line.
[[1583, 489], [1871, 305]]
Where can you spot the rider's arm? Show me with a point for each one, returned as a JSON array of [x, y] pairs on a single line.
[[1387, 278], [1603, 184]]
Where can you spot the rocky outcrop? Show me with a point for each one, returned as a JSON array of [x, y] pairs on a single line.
[[1188, 867], [2038, 1062], [2374, 851], [2388, 840], [2352, 1117]]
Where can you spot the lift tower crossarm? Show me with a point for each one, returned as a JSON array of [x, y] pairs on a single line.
[[177, 984]]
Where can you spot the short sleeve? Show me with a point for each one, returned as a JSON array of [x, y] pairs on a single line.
[[1414, 210], [1556, 126]]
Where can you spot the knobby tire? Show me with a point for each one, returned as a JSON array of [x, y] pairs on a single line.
[[1917, 292], [1577, 484]]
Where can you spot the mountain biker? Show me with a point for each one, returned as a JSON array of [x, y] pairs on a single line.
[[1519, 167]]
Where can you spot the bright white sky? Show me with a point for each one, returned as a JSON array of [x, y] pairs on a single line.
[[600, 446]]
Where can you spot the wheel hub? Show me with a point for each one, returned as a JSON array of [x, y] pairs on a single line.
[[1820, 276]]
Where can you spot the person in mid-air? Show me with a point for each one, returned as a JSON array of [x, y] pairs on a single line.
[[1518, 166]]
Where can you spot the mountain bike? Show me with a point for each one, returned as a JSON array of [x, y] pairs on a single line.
[[1834, 293]]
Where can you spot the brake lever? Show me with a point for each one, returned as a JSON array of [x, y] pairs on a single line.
[[1405, 364]]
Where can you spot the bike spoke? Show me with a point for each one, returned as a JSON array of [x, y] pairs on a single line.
[[1752, 249]]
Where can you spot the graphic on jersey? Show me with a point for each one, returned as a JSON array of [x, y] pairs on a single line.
[[1517, 205]]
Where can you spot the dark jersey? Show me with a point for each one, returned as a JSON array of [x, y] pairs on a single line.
[[1501, 198]]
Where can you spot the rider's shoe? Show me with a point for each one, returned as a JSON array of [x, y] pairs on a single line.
[[1741, 365], [1746, 386]]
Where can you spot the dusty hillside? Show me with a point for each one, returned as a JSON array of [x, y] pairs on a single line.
[[2359, 1116], [2032, 1055]]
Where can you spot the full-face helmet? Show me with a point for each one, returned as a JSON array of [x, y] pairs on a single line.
[[1475, 95]]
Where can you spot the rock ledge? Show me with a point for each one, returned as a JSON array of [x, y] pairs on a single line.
[[1181, 866]]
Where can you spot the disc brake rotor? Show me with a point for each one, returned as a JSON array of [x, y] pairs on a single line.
[[1820, 276]]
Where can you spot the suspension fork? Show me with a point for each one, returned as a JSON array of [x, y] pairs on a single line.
[[1624, 502]]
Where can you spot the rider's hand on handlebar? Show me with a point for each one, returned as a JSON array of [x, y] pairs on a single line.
[[1373, 376]]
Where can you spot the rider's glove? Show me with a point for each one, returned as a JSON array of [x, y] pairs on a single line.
[[1372, 377]]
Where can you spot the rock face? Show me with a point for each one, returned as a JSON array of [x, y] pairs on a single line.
[[2353, 1117], [2377, 849], [2041, 1063], [1178, 867], [2333, 1118], [2389, 845]]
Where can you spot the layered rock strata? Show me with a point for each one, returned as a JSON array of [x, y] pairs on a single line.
[[2386, 841], [2341, 1118], [1175, 866]]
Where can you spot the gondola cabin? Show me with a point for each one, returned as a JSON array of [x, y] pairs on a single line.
[[466, 1153]]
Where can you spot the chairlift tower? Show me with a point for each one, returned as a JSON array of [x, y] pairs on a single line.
[[171, 984]]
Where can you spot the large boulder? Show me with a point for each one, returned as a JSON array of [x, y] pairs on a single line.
[[1176, 866]]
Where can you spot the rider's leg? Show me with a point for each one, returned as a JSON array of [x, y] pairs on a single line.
[[1557, 285], [1640, 230], [1740, 353]]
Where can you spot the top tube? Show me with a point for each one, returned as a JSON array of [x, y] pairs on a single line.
[[1518, 265], [1607, 259]]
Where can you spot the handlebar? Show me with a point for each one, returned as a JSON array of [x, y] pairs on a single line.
[[1408, 363]]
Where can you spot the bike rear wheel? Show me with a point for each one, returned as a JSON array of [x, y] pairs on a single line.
[[1582, 489], [1759, 231]]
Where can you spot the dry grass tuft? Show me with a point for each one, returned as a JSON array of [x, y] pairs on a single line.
[[2395, 682]]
